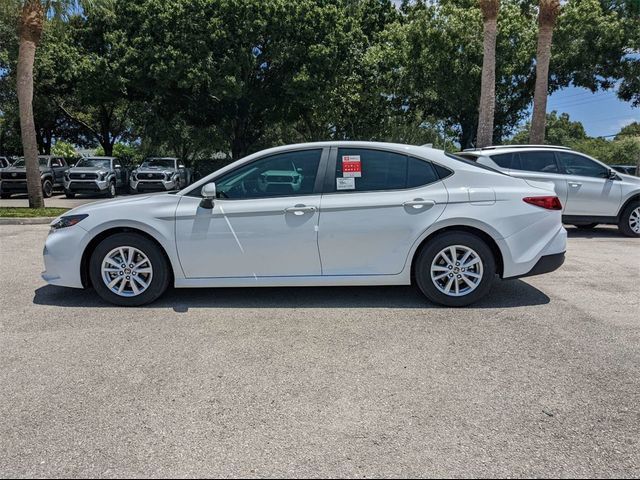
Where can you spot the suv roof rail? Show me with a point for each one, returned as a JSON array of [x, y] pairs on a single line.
[[498, 147]]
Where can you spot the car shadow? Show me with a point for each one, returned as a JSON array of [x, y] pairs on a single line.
[[505, 294], [598, 232]]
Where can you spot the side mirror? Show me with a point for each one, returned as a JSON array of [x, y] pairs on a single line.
[[208, 195], [180, 166], [613, 175], [117, 166]]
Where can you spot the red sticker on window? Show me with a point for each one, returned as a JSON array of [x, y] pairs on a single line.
[[351, 166]]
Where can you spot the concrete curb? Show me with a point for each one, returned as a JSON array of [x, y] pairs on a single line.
[[26, 221]]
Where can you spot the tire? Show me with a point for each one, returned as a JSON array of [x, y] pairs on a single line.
[[585, 226], [431, 255], [47, 188], [157, 279], [111, 190], [69, 194], [629, 223]]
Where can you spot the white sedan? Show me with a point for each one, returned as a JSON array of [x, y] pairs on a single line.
[[331, 213]]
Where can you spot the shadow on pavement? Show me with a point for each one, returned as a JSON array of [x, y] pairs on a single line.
[[598, 232], [505, 294]]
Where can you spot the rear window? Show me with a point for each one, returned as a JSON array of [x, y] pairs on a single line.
[[541, 161]]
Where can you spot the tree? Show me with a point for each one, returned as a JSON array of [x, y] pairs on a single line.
[[30, 28], [547, 15], [488, 84]]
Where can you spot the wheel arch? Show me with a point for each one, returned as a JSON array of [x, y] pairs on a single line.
[[633, 198], [93, 243], [474, 230]]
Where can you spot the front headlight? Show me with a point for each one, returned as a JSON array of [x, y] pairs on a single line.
[[68, 221]]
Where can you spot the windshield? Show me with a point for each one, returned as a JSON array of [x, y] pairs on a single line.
[[159, 162], [94, 162], [41, 161]]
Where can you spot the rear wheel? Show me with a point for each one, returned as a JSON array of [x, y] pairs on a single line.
[[455, 269], [47, 189], [129, 269], [629, 223]]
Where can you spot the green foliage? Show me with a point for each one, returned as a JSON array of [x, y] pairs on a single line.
[[204, 78], [64, 149], [131, 154]]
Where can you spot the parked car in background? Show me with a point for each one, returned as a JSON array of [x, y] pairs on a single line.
[[590, 191], [330, 213], [96, 175], [159, 174], [626, 169], [52, 170]]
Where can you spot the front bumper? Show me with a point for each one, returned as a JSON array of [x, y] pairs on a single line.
[[13, 186], [86, 186], [61, 259], [152, 185]]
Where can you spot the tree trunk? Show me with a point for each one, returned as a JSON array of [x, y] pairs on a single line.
[[549, 10], [487, 106], [31, 22]]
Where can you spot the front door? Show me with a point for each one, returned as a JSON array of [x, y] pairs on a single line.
[[377, 205], [263, 223], [591, 191]]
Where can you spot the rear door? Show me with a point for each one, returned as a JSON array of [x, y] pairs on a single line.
[[375, 205], [539, 165], [590, 190]]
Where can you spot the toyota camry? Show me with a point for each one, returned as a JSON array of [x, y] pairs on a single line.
[[330, 213]]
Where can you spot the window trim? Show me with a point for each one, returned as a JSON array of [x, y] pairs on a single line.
[[317, 186], [330, 178]]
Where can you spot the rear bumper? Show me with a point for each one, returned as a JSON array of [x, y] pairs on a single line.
[[546, 264]]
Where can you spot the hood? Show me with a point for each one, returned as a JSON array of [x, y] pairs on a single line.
[[87, 169], [154, 169], [629, 178], [123, 204], [21, 169]]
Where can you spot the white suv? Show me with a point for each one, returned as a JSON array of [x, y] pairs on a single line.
[[590, 191]]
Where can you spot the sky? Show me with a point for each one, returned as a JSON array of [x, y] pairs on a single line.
[[601, 113]]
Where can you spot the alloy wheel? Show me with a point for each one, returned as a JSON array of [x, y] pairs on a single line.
[[126, 271], [634, 220], [457, 270]]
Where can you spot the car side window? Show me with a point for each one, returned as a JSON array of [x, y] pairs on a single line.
[[542, 161], [55, 162], [573, 164], [364, 170], [503, 159], [283, 174]]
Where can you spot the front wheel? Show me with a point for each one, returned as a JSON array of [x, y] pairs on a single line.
[[455, 269], [629, 223], [129, 269], [111, 190], [47, 189]]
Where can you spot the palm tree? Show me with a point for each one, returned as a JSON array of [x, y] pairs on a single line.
[[488, 84], [32, 16], [549, 11], [30, 27]]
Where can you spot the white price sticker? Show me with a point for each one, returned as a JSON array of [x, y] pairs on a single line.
[[345, 183]]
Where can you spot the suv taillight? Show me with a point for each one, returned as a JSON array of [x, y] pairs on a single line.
[[548, 202]]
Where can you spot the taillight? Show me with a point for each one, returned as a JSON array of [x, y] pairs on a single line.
[[550, 202]]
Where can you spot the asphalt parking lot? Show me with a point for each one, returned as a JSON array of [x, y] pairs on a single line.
[[541, 379]]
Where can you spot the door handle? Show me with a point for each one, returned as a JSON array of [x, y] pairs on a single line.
[[300, 209], [575, 184], [419, 203]]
